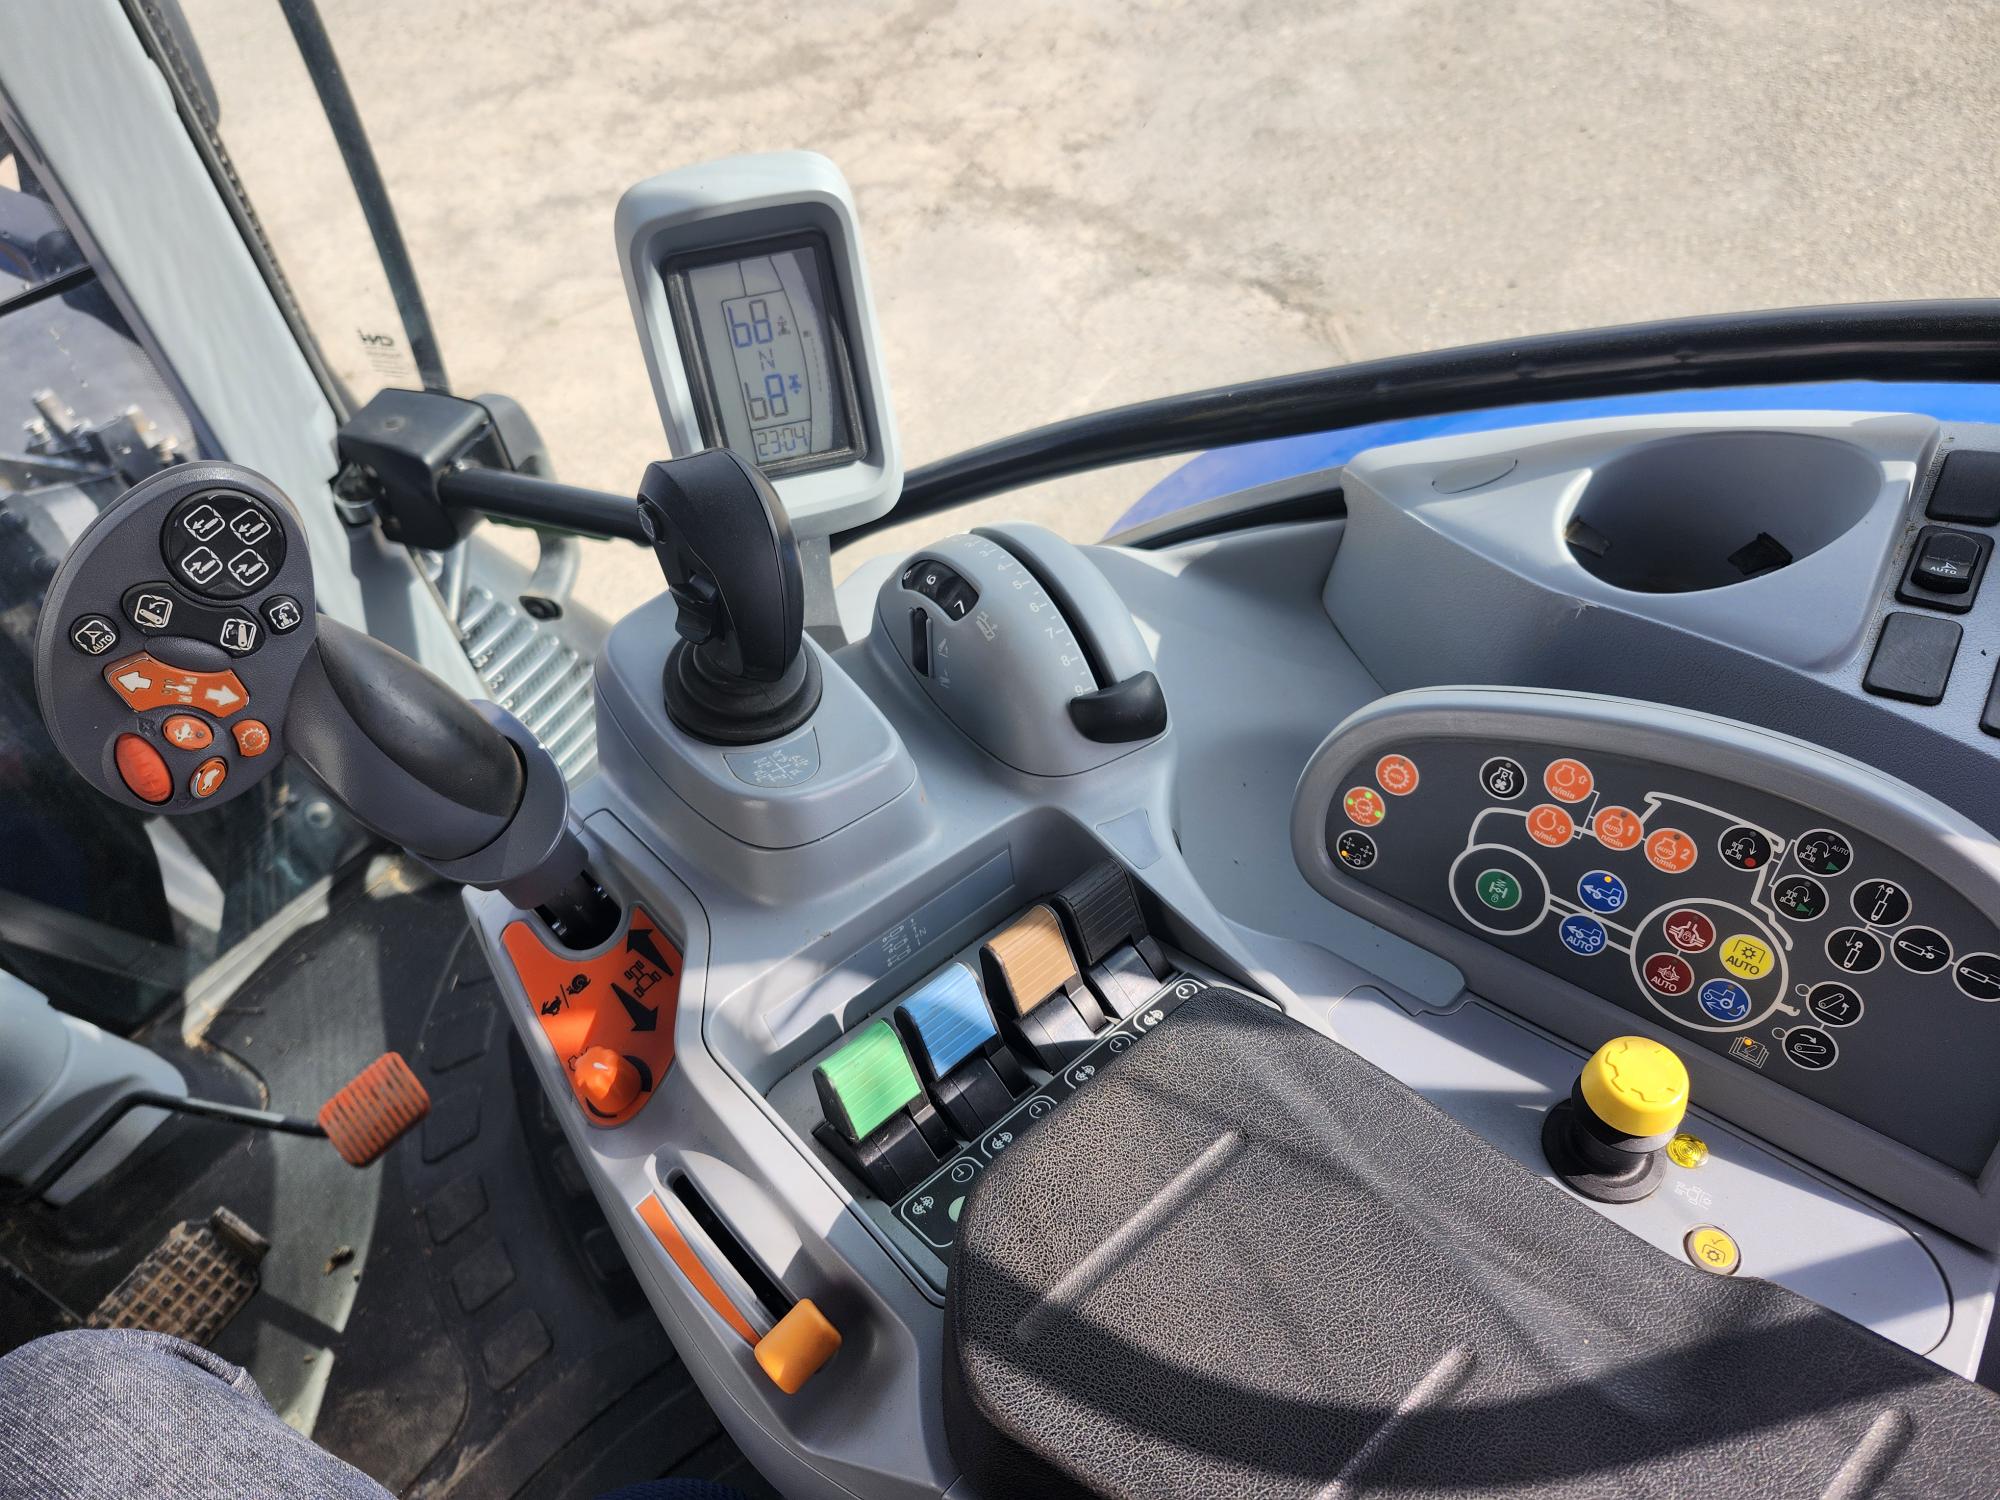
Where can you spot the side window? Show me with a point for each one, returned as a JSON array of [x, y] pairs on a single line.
[[107, 911]]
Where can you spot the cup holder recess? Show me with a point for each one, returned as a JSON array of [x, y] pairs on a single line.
[[1711, 509]]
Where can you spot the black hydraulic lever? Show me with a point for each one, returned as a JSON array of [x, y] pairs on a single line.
[[179, 658], [740, 673]]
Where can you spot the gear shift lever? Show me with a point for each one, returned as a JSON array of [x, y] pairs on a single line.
[[739, 674]]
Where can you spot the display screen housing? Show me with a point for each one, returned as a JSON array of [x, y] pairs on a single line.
[[761, 330]]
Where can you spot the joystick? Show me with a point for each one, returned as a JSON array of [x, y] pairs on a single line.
[[179, 659], [739, 674], [1605, 1139]]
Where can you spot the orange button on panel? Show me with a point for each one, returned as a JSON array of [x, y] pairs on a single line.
[[208, 777], [621, 1002], [142, 770], [186, 732], [1568, 780], [1617, 827], [1550, 826], [144, 682], [253, 738]]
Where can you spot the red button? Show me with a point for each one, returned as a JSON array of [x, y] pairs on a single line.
[[1669, 974], [208, 777], [252, 738], [141, 768], [1690, 931], [186, 732]]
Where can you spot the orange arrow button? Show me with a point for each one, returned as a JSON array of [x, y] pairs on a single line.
[[144, 681]]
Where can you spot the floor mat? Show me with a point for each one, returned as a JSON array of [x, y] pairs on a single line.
[[454, 1320]]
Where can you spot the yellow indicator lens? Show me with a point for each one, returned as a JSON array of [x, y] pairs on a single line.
[[1713, 1250], [1747, 957], [1688, 1151], [1636, 1085]]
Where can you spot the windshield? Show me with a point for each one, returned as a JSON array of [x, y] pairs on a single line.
[[1073, 207]]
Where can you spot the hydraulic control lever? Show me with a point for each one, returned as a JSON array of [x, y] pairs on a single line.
[[739, 673], [179, 658]]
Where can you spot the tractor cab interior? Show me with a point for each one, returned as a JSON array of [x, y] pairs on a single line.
[[1472, 967]]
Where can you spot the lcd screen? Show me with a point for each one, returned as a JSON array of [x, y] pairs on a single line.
[[767, 352]]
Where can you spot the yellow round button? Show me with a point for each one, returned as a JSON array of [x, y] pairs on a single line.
[[1713, 1250], [1688, 1151], [1747, 957], [1636, 1085]]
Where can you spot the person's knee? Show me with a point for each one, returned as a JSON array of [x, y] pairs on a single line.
[[109, 1359]]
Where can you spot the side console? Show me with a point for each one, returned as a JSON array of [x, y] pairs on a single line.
[[1820, 940]]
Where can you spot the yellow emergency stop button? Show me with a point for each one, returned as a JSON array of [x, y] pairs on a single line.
[[1713, 1249], [1636, 1085]]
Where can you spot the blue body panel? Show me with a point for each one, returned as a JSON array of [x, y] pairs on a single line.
[[1224, 471]]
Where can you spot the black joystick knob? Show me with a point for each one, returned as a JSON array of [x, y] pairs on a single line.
[[739, 674], [1605, 1139]]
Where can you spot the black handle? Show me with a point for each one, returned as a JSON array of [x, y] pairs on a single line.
[[1135, 709], [401, 750], [726, 546]]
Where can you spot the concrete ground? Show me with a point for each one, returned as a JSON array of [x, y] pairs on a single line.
[[1072, 206]]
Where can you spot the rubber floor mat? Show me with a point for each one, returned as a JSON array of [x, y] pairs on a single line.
[[455, 1320]]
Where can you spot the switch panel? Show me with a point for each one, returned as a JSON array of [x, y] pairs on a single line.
[[1945, 569]]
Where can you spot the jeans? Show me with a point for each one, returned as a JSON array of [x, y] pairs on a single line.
[[117, 1414]]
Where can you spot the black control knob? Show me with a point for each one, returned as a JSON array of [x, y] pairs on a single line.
[[740, 673]]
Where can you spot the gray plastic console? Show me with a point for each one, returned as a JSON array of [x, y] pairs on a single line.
[[1006, 670], [841, 765], [1817, 939]]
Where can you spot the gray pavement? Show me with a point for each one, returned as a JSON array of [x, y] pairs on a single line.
[[1072, 206]]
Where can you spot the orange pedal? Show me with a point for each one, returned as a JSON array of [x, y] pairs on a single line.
[[610, 1018], [375, 1110]]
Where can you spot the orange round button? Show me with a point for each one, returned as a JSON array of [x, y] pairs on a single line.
[[1617, 827], [252, 738], [1671, 850], [141, 769], [1550, 825], [1568, 780], [1397, 775], [609, 1081], [208, 777], [186, 732], [1365, 806]]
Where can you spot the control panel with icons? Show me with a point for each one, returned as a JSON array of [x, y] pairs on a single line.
[[1791, 944], [168, 686]]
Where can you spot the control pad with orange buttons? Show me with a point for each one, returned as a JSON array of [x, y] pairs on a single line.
[[162, 670]]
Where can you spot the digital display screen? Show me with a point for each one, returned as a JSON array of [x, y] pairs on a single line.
[[761, 329]]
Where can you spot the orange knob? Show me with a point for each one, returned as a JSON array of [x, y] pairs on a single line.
[[609, 1081]]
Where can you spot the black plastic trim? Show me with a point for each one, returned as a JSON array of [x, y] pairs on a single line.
[[1892, 341]]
